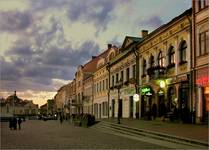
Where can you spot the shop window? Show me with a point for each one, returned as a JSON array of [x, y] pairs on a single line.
[[182, 52], [203, 43], [171, 57]]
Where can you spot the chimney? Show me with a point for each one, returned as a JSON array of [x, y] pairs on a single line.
[[144, 33], [109, 46], [94, 57]]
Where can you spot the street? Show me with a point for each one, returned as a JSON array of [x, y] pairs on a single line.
[[38, 134]]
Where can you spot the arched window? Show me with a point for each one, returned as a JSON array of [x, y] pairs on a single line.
[[182, 51], [160, 59], [171, 56], [152, 61], [144, 67]]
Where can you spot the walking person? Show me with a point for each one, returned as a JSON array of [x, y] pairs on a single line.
[[15, 123], [61, 119], [154, 111], [19, 123], [11, 123]]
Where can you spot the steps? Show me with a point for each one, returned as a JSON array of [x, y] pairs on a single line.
[[149, 136]]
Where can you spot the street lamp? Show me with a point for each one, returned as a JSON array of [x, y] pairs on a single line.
[[119, 85]]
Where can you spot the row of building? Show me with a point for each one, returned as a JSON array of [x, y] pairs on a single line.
[[168, 67]]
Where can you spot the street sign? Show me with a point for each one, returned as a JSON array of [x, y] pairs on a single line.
[[136, 97]]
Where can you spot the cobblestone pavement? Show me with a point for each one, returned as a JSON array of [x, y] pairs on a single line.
[[38, 134]]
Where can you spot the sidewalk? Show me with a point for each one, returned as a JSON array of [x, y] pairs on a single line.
[[191, 131]]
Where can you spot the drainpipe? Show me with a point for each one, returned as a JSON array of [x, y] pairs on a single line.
[[108, 93], [191, 69], [136, 53]]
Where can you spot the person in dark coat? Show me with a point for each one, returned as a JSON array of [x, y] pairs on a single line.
[[11, 123], [15, 123], [61, 119], [19, 121], [154, 111]]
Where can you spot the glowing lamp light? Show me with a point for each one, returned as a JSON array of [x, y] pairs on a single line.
[[162, 84], [136, 97]]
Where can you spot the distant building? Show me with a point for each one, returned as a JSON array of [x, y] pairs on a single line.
[[16, 106]]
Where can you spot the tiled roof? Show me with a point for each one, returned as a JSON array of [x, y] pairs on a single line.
[[91, 66]]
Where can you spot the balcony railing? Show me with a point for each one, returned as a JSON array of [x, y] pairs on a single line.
[[156, 72]]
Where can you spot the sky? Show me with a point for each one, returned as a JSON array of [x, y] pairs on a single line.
[[43, 41]]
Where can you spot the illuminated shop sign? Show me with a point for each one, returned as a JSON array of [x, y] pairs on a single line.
[[145, 90]]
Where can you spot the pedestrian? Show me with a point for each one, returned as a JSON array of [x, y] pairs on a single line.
[[61, 119], [154, 111], [11, 123], [15, 123], [163, 107], [19, 123]]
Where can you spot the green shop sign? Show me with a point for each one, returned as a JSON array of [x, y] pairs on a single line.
[[145, 90]]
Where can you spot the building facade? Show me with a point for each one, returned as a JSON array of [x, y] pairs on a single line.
[[201, 59], [123, 80], [165, 64]]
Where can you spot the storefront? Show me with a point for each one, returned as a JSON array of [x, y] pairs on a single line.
[[202, 94], [146, 101]]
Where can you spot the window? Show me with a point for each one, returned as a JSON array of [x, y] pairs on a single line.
[[182, 51], [103, 85], [100, 86], [203, 43], [107, 83], [134, 71], [144, 67], [171, 56], [121, 76], [112, 80], [161, 59], [117, 78], [127, 74], [152, 61]]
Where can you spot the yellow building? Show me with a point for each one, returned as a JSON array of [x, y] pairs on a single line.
[[122, 80], [165, 63], [101, 82], [201, 58]]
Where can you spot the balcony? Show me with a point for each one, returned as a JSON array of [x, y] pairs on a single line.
[[156, 72]]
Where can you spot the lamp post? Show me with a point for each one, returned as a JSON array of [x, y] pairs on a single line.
[[118, 86]]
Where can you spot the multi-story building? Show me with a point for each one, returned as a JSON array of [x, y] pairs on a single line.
[[201, 58], [84, 86], [101, 82], [61, 98], [122, 72], [72, 97], [165, 63]]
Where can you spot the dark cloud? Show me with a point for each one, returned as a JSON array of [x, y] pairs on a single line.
[[14, 20], [71, 57], [153, 21], [97, 12], [9, 71]]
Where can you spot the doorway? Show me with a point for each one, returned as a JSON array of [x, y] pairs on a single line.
[[113, 108], [131, 101]]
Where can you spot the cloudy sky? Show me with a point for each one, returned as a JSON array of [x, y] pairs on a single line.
[[43, 41]]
